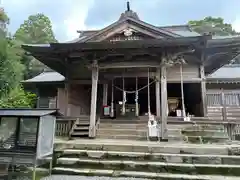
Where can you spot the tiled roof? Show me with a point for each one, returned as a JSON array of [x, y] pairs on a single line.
[[226, 72], [46, 77], [182, 30], [26, 112]]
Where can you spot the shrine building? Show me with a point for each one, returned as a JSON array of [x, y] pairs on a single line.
[[131, 69]]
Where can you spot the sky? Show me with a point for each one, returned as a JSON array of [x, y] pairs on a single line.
[[68, 16]]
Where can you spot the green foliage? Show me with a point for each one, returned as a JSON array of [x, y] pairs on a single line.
[[18, 98], [216, 26], [4, 17], [37, 29], [11, 69], [11, 75]]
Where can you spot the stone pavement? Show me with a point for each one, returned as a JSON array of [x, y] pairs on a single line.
[[66, 177]]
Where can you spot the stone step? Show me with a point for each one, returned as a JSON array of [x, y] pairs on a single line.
[[135, 137], [190, 139], [139, 132], [148, 146], [123, 126], [79, 133], [207, 133], [160, 157], [150, 166], [84, 123], [177, 132], [206, 139], [84, 128], [169, 126], [136, 174]]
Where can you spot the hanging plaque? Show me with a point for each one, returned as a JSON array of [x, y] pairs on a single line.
[[106, 110]]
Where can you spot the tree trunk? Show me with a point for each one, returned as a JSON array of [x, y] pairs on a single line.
[[182, 92]]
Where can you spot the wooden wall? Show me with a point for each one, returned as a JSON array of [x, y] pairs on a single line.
[[79, 99], [190, 73]]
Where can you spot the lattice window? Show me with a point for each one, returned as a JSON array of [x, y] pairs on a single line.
[[28, 132], [8, 128]]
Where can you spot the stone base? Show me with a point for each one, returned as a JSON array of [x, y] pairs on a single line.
[[163, 139], [153, 138]]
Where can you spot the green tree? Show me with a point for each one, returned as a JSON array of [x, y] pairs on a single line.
[[3, 16], [215, 26], [37, 29], [11, 74]]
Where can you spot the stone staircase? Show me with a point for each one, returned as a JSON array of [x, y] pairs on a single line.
[[143, 159], [81, 127], [138, 129]]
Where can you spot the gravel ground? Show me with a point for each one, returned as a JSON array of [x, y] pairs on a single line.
[[65, 177]]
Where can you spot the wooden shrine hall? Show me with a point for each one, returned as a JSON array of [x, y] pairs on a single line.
[[130, 69]]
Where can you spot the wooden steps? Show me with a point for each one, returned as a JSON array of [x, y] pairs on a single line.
[[80, 127]]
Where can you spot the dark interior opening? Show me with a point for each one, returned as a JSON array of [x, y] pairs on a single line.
[[130, 85], [192, 97]]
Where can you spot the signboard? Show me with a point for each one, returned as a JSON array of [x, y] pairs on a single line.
[[106, 110], [46, 136]]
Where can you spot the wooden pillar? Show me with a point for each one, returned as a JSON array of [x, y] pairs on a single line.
[[164, 103], [223, 103], [67, 110], [66, 89], [92, 130], [158, 99], [105, 94], [203, 90]]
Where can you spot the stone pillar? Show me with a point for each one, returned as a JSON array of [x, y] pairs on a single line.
[[105, 94], [203, 90], [92, 128], [158, 99], [164, 103]]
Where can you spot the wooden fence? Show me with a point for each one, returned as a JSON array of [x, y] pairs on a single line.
[[63, 126], [224, 105]]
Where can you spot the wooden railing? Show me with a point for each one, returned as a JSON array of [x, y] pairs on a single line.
[[224, 113], [228, 114], [63, 126]]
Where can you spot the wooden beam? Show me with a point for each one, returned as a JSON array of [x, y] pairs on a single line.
[[128, 74], [67, 88], [164, 102], [87, 82], [92, 128], [158, 97], [105, 94], [145, 64], [192, 80], [203, 90]]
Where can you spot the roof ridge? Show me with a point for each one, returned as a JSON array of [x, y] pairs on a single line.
[[168, 26], [232, 65]]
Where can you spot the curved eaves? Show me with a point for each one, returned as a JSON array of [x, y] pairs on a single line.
[[229, 40], [216, 61]]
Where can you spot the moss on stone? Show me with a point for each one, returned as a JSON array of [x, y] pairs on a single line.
[[158, 168]]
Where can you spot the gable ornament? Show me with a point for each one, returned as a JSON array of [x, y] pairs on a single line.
[[128, 32]]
